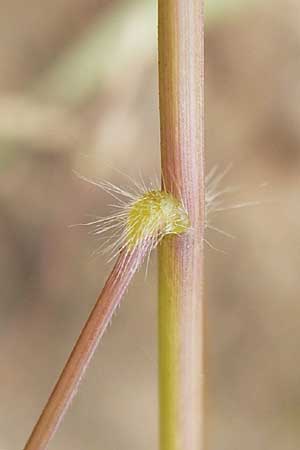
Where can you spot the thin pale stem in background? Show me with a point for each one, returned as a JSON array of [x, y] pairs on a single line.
[[181, 94]]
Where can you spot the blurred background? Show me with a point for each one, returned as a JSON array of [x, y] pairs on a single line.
[[78, 91]]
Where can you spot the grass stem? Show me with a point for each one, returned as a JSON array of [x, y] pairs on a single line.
[[127, 264], [181, 95]]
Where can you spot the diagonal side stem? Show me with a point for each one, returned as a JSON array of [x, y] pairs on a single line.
[[67, 385], [181, 95]]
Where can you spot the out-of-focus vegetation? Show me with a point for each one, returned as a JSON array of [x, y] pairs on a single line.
[[78, 90]]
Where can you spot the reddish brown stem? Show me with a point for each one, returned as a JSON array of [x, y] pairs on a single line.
[[67, 385], [181, 330]]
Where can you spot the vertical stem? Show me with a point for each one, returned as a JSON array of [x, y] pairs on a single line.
[[181, 95]]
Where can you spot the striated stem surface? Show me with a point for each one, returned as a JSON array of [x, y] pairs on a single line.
[[181, 95]]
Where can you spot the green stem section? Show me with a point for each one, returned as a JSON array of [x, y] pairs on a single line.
[[181, 94]]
